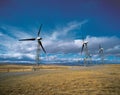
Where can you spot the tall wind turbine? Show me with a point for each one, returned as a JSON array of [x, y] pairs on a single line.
[[101, 53], [38, 39]]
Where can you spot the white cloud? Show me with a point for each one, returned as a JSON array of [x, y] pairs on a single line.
[[63, 31], [117, 47], [13, 47], [78, 42], [53, 44]]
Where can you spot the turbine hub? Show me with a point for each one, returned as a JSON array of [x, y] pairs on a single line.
[[38, 38], [85, 42]]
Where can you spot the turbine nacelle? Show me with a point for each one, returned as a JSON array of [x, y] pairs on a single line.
[[101, 50], [38, 38], [85, 42]]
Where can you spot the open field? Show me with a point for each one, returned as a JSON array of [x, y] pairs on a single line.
[[21, 68], [61, 80]]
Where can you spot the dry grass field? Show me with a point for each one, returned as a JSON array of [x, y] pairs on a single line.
[[62, 80], [21, 68]]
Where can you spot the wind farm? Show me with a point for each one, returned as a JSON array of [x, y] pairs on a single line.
[[59, 48], [54, 79]]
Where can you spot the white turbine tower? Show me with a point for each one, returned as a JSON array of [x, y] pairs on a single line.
[[101, 53], [39, 44]]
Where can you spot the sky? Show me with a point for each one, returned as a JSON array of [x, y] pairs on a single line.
[[64, 24]]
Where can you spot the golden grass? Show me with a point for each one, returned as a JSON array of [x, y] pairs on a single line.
[[95, 80], [14, 68], [19, 68]]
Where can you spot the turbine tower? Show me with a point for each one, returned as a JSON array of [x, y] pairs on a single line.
[[38, 39], [101, 53]]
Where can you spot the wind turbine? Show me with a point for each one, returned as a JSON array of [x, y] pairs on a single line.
[[101, 53], [85, 49], [38, 39]]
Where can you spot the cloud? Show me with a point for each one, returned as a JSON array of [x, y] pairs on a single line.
[[74, 46], [56, 43], [63, 31], [115, 50], [17, 56], [12, 47], [59, 41], [78, 42]]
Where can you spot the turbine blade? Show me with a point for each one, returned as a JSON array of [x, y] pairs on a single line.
[[39, 29], [30, 39], [41, 45], [82, 48]]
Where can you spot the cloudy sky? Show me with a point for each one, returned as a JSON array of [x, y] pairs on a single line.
[[64, 24]]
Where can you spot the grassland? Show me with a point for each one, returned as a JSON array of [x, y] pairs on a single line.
[[63, 80], [21, 68]]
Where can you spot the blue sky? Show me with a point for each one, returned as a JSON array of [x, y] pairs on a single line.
[[64, 23]]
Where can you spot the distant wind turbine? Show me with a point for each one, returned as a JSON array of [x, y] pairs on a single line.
[[38, 39], [85, 49], [101, 53]]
